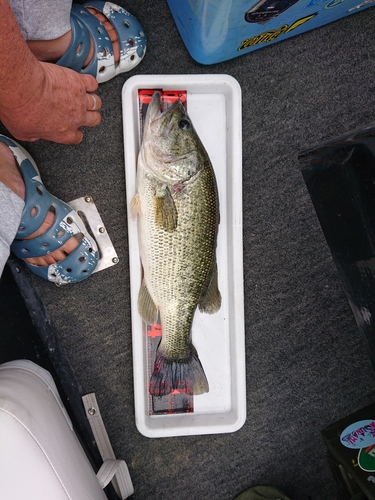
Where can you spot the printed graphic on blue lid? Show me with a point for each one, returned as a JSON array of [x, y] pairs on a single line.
[[359, 435]]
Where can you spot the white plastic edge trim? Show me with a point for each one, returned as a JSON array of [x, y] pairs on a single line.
[[112, 469]]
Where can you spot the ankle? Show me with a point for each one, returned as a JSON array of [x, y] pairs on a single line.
[[9, 172], [50, 50], [53, 50]]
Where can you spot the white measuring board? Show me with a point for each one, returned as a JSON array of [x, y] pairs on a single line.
[[214, 106]]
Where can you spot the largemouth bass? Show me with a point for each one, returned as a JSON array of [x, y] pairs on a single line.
[[178, 216]]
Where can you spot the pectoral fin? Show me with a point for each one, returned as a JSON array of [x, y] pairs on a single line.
[[135, 206], [165, 209], [146, 306], [210, 301]]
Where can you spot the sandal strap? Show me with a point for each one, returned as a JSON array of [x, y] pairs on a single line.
[[66, 224], [131, 37], [79, 49], [37, 197], [77, 265]]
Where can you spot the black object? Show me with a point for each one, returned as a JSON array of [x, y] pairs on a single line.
[[265, 10], [340, 177], [352, 480]]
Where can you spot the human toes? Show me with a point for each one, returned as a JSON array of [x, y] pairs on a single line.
[[57, 255], [111, 31]]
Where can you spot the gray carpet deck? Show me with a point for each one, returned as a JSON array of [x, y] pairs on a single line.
[[306, 363]]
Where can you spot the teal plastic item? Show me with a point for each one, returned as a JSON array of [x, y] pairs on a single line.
[[82, 261], [86, 27], [217, 30]]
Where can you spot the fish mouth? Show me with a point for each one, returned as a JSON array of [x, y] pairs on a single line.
[[154, 108], [157, 112]]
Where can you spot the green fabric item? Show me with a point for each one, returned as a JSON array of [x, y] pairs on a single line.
[[262, 493]]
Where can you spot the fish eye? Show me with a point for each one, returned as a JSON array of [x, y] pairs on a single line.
[[184, 124]]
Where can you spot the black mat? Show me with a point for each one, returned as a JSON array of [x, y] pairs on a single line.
[[307, 366]]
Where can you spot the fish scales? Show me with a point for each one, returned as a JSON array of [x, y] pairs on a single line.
[[178, 216], [186, 253]]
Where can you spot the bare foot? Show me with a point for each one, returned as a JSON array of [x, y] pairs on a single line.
[[11, 176], [52, 50]]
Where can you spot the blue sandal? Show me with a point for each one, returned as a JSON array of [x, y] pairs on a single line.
[[86, 26], [76, 266]]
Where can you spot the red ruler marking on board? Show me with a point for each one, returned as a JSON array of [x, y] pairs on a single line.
[[178, 401]]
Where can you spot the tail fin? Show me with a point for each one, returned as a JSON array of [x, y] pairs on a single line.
[[182, 374]]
